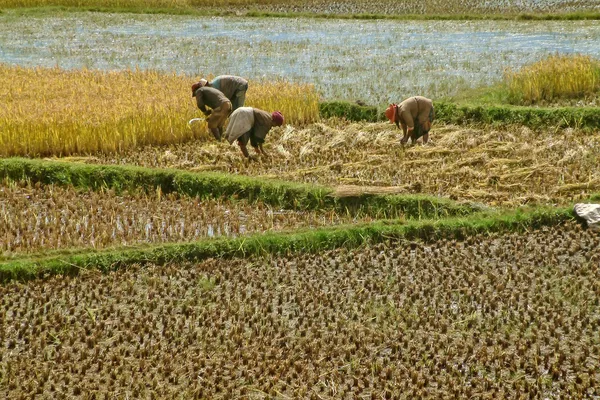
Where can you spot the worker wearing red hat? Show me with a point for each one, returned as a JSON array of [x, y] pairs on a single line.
[[251, 124], [415, 115]]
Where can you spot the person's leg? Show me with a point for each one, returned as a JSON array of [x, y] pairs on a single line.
[[238, 100], [262, 150], [242, 142], [413, 138], [244, 150], [212, 123], [219, 116]]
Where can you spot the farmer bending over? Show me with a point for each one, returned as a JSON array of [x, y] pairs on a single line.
[[233, 87], [415, 114], [221, 107], [251, 124]]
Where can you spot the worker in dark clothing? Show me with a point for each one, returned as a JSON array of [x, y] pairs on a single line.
[[219, 104], [233, 87]]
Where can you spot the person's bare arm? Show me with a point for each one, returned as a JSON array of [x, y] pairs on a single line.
[[407, 131]]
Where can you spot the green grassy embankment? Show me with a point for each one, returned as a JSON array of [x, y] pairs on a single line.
[[37, 7], [304, 241], [455, 113], [286, 195]]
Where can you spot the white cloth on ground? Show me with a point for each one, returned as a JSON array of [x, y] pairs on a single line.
[[240, 122], [589, 212]]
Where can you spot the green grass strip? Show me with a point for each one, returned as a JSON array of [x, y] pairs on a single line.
[[350, 111], [226, 11], [533, 117], [314, 241], [448, 112], [281, 194]]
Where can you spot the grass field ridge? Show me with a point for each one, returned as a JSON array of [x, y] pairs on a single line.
[[287, 195], [314, 240], [457, 113], [224, 12]]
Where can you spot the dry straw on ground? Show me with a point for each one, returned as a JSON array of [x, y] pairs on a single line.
[[495, 166]]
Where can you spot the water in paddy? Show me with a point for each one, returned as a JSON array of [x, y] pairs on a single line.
[[376, 61]]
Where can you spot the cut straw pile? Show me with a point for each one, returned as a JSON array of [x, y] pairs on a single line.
[[497, 167]]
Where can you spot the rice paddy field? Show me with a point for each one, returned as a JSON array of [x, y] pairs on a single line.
[[512, 316], [38, 218], [497, 167], [383, 61], [114, 292]]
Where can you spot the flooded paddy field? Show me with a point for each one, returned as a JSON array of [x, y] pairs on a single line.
[[374, 61]]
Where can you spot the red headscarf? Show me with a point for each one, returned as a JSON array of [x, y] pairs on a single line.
[[277, 118], [390, 112]]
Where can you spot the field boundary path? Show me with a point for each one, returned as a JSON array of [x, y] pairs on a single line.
[[315, 240], [286, 195]]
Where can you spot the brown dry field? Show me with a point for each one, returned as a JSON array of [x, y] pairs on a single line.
[[415, 7], [37, 218], [497, 167], [504, 316]]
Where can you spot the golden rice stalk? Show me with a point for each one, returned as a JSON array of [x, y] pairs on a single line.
[[130, 3], [554, 78], [84, 111], [97, 3]]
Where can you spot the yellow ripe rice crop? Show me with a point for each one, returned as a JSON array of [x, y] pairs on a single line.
[[51, 111], [554, 78], [133, 3], [96, 3]]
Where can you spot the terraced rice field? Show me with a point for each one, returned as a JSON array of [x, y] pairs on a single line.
[[498, 167], [512, 315], [502, 316], [39, 218]]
